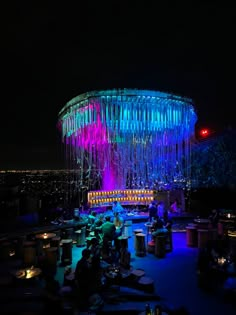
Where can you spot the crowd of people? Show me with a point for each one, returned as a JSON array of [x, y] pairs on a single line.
[[108, 248]]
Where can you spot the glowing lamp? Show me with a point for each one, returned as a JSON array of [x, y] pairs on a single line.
[[204, 132]]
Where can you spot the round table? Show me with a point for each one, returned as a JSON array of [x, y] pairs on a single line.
[[27, 273], [45, 236]]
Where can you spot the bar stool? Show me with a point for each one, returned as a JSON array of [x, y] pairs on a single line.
[[69, 233], [160, 246], [192, 236], [121, 242], [232, 242], [127, 230], [146, 284], [220, 229], [51, 259], [203, 237], [136, 231], [66, 257], [55, 242], [151, 247], [5, 248], [19, 246], [169, 241], [29, 253], [140, 245], [81, 237]]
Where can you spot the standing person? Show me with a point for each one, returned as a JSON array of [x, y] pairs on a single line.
[[214, 217], [174, 206], [95, 271], [160, 209], [152, 212], [82, 276], [117, 207], [167, 222], [119, 223]]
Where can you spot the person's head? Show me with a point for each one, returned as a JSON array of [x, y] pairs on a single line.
[[94, 241], [101, 217], [107, 218], [94, 213], [86, 253]]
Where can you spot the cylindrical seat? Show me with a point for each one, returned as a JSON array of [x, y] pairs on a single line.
[[146, 284], [69, 233], [81, 237], [20, 245], [140, 245], [232, 243], [29, 256], [137, 273], [121, 242], [5, 248], [160, 246], [151, 246], [51, 256], [203, 237], [55, 242], [127, 229], [66, 257], [136, 231], [169, 241], [220, 229], [192, 236]]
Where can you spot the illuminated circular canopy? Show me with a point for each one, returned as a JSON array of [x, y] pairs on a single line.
[[127, 137]]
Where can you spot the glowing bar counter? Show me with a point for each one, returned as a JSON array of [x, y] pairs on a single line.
[[103, 198]]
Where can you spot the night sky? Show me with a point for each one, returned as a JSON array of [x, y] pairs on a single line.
[[53, 53]]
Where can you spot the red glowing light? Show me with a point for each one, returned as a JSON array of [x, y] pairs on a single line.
[[204, 132]]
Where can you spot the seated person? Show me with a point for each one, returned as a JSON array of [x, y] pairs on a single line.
[[97, 223], [158, 227], [92, 217], [107, 229]]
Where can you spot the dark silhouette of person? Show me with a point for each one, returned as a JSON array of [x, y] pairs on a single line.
[[83, 276], [152, 211]]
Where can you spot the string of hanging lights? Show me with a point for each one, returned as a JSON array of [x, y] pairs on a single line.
[[128, 138]]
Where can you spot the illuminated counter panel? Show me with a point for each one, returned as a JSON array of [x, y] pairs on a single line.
[[124, 197]]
